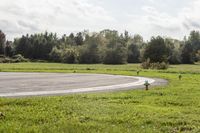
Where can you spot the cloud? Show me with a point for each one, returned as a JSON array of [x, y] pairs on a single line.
[[62, 16], [161, 20], [190, 16], [28, 26], [156, 22]]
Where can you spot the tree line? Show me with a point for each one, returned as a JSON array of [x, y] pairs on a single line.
[[107, 46]]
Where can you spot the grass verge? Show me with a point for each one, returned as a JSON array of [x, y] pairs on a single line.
[[173, 108]]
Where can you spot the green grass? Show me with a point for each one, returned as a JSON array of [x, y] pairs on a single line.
[[173, 108]]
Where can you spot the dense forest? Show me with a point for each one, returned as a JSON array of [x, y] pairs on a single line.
[[107, 46]]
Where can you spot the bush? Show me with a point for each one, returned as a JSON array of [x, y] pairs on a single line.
[[2, 56], [69, 56], [56, 55], [159, 66], [66, 55], [5, 60], [148, 65], [18, 58], [14, 59]]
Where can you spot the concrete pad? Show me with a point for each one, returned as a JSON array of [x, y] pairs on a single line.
[[35, 84]]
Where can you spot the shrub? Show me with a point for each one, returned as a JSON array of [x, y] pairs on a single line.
[[14, 59], [69, 55], [5, 60], [158, 65], [2, 56], [18, 58], [148, 65], [56, 55]]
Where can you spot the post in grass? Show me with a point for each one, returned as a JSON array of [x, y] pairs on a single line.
[[146, 84], [1, 115], [138, 72], [180, 76]]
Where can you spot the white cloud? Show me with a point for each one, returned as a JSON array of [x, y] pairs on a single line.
[[190, 15], [19, 17], [62, 16], [154, 22]]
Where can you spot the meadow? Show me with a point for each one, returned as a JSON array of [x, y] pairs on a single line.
[[172, 109]]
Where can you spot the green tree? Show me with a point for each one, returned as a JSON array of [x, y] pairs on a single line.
[[2, 42], [89, 53], [194, 39], [79, 39], [133, 53], [69, 55], [156, 50], [174, 50], [21, 46], [138, 40], [115, 55], [56, 55], [198, 55], [187, 54], [37, 46], [8, 49], [115, 49]]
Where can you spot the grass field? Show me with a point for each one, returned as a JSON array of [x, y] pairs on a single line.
[[173, 108]]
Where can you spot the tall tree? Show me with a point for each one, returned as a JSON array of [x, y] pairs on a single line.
[[174, 50], [2, 42], [89, 53], [194, 39], [8, 49], [156, 50], [187, 54], [133, 53], [116, 54], [79, 39], [198, 55], [37, 46]]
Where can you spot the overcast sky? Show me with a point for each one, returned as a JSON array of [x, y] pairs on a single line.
[[173, 18]]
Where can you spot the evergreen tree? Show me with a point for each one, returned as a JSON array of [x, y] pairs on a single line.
[[2, 42], [187, 54]]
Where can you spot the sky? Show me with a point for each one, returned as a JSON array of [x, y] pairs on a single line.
[[168, 18]]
